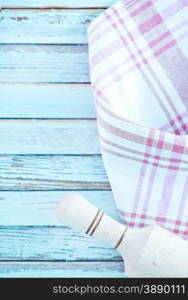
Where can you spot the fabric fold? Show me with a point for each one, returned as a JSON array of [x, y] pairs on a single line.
[[138, 56]]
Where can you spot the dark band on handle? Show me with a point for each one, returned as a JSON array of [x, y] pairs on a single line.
[[121, 238], [93, 221], [95, 227]]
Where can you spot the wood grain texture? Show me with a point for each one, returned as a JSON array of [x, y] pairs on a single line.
[[62, 269], [44, 63], [38, 208], [62, 26], [56, 3], [47, 101], [51, 244], [48, 137], [48, 243], [48, 79], [52, 173]]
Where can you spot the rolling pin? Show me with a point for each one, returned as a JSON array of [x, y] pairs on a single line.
[[147, 252]]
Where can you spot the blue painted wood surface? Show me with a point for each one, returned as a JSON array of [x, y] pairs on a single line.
[[56, 3], [44, 26], [49, 137], [27, 101], [49, 140], [62, 269]]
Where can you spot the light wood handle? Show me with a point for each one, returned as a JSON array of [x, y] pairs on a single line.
[[76, 212]]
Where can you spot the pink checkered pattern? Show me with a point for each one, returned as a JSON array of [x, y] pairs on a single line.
[[138, 54]]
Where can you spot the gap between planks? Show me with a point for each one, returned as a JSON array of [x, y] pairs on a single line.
[[91, 8], [49, 119], [62, 269], [87, 9], [55, 244], [56, 4], [53, 173]]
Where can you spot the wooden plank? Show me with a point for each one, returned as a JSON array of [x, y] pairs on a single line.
[[62, 269], [52, 173], [48, 137], [62, 26], [52, 244], [38, 208], [44, 63], [47, 101], [55, 243], [56, 3]]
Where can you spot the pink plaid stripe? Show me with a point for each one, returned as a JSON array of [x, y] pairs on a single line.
[[138, 78], [153, 218], [140, 183], [154, 160], [181, 121]]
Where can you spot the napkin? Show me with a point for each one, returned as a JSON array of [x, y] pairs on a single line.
[[138, 57]]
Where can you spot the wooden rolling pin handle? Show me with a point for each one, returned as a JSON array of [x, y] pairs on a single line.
[[76, 212]]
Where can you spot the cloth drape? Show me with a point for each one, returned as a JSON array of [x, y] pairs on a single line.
[[138, 57]]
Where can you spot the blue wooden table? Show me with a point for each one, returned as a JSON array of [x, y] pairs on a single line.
[[48, 140]]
